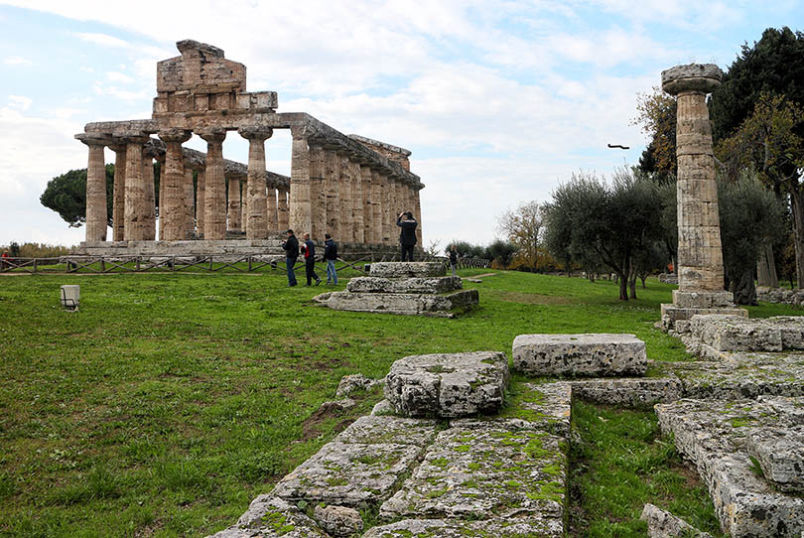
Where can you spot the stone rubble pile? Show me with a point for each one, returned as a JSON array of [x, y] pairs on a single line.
[[410, 288], [780, 295]]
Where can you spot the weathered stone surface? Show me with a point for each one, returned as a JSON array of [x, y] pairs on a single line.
[[712, 434], [780, 295], [451, 528], [703, 299], [355, 382], [338, 521], [663, 524], [733, 333], [401, 303], [383, 408], [638, 393], [780, 453], [448, 385], [672, 315], [486, 473], [691, 77], [579, 354], [407, 269], [269, 517], [362, 466], [443, 284]]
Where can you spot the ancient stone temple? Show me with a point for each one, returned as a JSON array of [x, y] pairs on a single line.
[[349, 186], [700, 257]]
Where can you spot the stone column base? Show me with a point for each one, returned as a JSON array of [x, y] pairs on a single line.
[[672, 314], [703, 299]]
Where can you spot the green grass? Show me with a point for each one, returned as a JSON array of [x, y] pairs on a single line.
[[168, 402]]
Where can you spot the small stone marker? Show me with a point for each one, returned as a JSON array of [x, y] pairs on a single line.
[[780, 453], [447, 385], [579, 354], [70, 296]]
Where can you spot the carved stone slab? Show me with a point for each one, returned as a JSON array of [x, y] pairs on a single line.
[[579, 354]]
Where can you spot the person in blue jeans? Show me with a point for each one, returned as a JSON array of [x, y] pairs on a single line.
[[291, 247], [330, 255]]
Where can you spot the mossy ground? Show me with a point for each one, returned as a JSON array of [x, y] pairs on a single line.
[[169, 401]]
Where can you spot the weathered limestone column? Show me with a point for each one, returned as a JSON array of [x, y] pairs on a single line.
[[700, 258], [233, 205], [271, 211], [215, 188], [96, 189], [256, 222], [357, 203], [200, 203], [284, 211], [119, 193], [388, 213], [318, 194], [345, 196], [417, 211], [189, 204], [150, 193], [368, 214], [376, 206], [332, 176], [300, 207], [134, 214], [172, 210]]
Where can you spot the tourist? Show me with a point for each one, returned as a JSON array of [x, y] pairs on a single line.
[[291, 247], [4, 260], [453, 259], [308, 249], [330, 255], [407, 237]]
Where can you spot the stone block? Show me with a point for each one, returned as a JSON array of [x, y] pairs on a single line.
[[339, 521], [704, 299], [486, 473], [430, 285], [448, 385], [446, 305], [791, 329], [663, 524], [355, 382], [672, 313], [634, 393], [579, 354], [407, 269], [780, 453], [735, 333], [452, 528], [270, 517]]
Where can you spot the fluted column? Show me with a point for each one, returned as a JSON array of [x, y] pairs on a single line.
[[233, 205], [200, 203], [300, 207], [357, 203], [135, 190], [417, 211], [318, 194], [332, 173], [96, 189], [256, 221], [189, 204], [389, 213], [283, 213], [368, 215], [376, 206], [215, 189], [119, 192], [172, 210], [345, 196], [149, 180]]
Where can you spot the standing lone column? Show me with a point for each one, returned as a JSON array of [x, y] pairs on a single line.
[[215, 188], [96, 189], [119, 192], [172, 211], [300, 207], [700, 258], [256, 218], [135, 190]]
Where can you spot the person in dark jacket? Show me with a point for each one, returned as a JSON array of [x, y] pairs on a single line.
[[453, 259], [308, 249], [330, 255], [291, 247], [407, 237]]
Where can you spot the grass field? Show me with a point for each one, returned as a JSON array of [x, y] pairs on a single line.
[[168, 402]]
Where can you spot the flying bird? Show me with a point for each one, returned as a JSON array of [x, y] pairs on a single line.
[[618, 146]]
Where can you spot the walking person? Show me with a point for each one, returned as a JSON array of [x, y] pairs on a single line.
[[407, 236], [330, 255], [453, 259], [308, 249], [291, 248]]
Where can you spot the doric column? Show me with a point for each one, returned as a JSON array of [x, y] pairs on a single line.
[[283, 213], [357, 203], [200, 203], [368, 214], [332, 177], [189, 204], [417, 211], [345, 196], [172, 210], [134, 213], [318, 194], [215, 188], [119, 192], [376, 206], [388, 213], [271, 210], [256, 221], [149, 180], [233, 205], [96, 189], [300, 208]]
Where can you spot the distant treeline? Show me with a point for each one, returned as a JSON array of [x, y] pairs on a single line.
[[35, 250]]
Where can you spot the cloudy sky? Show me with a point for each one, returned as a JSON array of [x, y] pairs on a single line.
[[499, 101]]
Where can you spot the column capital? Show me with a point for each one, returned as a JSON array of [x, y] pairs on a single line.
[[255, 132], [93, 139], [212, 135], [175, 135], [695, 78], [135, 139]]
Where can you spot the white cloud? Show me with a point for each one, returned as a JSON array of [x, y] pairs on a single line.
[[19, 102], [103, 40], [116, 76], [16, 60]]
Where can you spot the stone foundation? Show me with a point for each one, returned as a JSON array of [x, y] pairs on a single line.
[[590, 355]]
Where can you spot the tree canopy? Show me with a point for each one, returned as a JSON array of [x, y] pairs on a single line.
[[524, 228], [67, 195]]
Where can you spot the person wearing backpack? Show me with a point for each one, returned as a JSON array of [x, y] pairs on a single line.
[[330, 255]]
